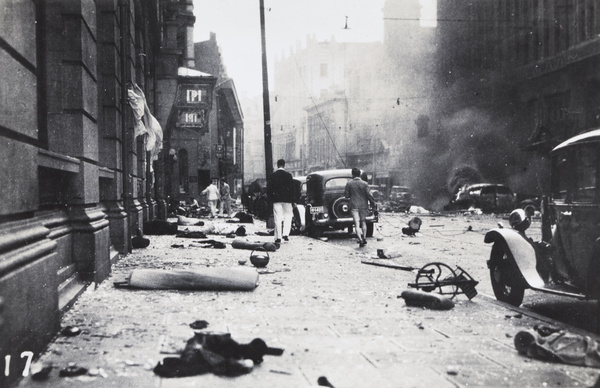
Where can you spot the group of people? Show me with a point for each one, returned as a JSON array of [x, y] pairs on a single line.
[[281, 192], [214, 195]]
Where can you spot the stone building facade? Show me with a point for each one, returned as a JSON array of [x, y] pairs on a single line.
[[76, 182]]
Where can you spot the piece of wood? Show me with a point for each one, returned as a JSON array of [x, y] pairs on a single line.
[[207, 279], [386, 263]]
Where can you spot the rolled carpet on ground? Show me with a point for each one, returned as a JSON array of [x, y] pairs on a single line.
[[205, 279]]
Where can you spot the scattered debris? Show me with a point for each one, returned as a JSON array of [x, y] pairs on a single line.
[[189, 221], [388, 253], [254, 246], [560, 346], [323, 382], [414, 225], [191, 234], [216, 353], [72, 370], [159, 227], [139, 241], [415, 298], [199, 324], [210, 278], [388, 265], [242, 262], [40, 372], [439, 276], [71, 331], [452, 370]]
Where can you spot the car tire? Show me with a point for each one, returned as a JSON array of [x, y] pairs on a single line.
[[505, 278]]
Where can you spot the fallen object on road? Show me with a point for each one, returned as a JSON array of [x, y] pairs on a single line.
[[159, 227], [239, 243], [414, 225], [387, 264], [428, 300], [441, 278], [559, 346], [216, 353], [207, 279]]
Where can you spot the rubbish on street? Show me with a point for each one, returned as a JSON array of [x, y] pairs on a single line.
[[72, 370], [212, 244], [39, 371], [560, 346], [444, 280], [208, 279], [199, 324], [243, 218], [414, 225], [139, 241], [191, 234], [159, 227], [387, 264], [215, 353], [189, 221], [388, 253], [239, 243], [242, 262], [259, 261], [71, 331], [415, 298], [323, 382]]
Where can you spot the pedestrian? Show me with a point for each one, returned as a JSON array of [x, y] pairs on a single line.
[[212, 197], [225, 198], [357, 190], [281, 192]]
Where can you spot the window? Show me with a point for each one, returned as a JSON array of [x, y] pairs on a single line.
[[585, 158], [337, 182]]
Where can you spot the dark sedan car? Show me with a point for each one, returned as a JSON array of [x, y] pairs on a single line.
[[489, 197], [326, 206]]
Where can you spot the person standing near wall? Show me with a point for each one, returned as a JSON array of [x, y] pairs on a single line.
[[280, 192], [225, 198], [212, 197]]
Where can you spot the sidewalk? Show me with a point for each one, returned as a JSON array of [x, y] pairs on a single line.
[[332, 315]]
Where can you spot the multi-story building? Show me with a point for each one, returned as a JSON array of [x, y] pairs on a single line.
[[531, 67], [79, 176]]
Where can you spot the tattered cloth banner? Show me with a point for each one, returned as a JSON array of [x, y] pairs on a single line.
[[144, 122]]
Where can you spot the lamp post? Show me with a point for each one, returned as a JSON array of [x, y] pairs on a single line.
[[373, 140]]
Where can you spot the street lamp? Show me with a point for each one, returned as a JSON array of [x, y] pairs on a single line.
[[373, 140]]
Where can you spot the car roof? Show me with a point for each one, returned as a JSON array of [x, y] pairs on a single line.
[[346, 172], [477, 185], [587, 137]]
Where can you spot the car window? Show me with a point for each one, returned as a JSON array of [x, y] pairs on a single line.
[[337, 183], [504, 190], [562, 176], [585, 160]]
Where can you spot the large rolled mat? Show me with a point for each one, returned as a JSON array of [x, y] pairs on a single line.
[[206, 279]]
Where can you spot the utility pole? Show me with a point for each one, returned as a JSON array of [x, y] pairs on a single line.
[[266, 104], [266, 110]]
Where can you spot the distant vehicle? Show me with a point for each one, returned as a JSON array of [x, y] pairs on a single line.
[[567, 259], [489, 197], [326, 206], [401, 198]]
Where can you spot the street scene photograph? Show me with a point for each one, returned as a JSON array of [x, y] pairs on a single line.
[[284, 193]]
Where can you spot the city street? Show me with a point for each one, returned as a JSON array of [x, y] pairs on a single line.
[[333, 315]]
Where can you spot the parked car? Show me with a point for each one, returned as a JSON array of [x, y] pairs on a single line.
[[489, 197], [326, 206], [401, 198], [567, 259]]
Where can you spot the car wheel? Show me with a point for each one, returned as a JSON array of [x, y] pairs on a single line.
[[370, 227], [504, 276]]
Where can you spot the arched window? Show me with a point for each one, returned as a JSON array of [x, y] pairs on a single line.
[[184, 184]]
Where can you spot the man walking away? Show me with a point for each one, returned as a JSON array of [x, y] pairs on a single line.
[[281, 192], [360, 196], [212, 197], [225, 198]]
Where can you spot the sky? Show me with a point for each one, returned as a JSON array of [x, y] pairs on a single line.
[[236, 24]]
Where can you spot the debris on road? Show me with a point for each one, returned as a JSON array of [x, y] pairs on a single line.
[[414, 225], [415, 298], [239, 243], [205, 279], [139, 241], [215, 353], [561, 346], [387, 264], [439, 276]]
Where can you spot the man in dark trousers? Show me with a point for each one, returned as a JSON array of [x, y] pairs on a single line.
[[280, 192], [360, 196]]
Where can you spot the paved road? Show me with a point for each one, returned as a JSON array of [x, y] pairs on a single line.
[[333, 316]]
